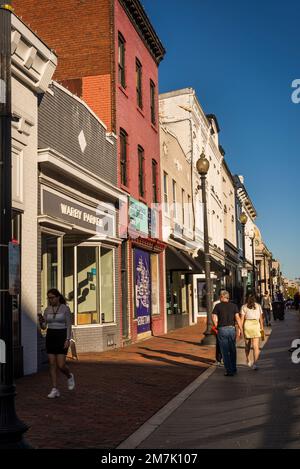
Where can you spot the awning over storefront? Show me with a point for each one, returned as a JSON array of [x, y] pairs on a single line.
[[178, 260], [215, 266]]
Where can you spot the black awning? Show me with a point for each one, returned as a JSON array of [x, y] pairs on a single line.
[[215, 266], [178, 260]]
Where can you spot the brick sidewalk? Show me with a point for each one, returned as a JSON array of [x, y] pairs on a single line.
[[116, 392]]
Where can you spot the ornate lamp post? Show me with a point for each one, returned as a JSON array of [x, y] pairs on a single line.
[[11, 428], [243, 220], [202, 166], [252, 237]]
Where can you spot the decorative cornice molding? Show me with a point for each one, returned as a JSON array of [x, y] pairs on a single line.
[[33, 63], [142, 24]]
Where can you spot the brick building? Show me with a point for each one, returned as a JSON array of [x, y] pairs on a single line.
[[109, 55]]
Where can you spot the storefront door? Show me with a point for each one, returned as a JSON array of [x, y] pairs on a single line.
[[142, 290]]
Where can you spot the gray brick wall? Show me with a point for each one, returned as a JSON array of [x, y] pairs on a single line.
[[61, 119]]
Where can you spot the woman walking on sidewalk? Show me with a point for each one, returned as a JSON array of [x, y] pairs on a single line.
[[253, 325], [57, 320]]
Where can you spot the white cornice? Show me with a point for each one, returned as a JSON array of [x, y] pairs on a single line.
[[50, 157], [32, 62]]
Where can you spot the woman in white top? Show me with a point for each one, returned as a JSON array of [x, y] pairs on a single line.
[[57, 320], [253, 325]]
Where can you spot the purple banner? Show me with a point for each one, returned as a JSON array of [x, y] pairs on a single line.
[[142, 289]]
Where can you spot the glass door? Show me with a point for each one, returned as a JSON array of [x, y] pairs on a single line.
[[49, 267]]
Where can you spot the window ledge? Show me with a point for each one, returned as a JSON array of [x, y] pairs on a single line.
[[143, 200], [140, 111], [154, 127], [125, 188], [123, 91]]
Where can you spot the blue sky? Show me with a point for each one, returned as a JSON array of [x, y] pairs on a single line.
[[242, 56]]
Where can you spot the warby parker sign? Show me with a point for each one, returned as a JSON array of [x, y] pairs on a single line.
[[99, 220]]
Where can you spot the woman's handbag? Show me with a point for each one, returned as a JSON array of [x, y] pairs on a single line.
[[72, 349], [262, 335]]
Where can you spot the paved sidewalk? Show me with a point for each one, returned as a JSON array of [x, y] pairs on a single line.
[[255, 409], [116, 391]]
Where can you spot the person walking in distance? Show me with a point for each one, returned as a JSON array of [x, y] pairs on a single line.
[[267, 308], [225, 315], [57, 320], [218, 350], [253, 325]]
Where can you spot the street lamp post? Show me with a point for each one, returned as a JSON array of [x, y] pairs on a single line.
[[202, 168], [252, 237], [243, 220], [11, 428]]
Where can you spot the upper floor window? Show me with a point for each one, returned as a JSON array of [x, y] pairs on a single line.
[[123, 157], [141, 156], [174, 198], [152, 102], [139, 94], [190, 212], [166, 209], [154, 181], [121, 60]]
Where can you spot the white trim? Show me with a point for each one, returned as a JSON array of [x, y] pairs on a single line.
[[59, 188], [65, 165], [46, 230], [54, 221], [88, 326]]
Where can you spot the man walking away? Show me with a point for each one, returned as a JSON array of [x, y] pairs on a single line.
[[218, 350], [225, 315], [266, 305]]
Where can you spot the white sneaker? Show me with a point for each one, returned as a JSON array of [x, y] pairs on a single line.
[[53, 393], [71, 382]]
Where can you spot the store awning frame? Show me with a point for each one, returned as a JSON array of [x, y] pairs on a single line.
[[180, 261]]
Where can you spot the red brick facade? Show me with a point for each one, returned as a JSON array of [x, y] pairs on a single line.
[[85, 37]]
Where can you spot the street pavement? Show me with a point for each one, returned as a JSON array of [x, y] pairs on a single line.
[[116, 391], [255, 409]]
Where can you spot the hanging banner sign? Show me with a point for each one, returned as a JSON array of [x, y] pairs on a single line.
[[142, 290]]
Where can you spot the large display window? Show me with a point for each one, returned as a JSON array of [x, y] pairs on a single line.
[[84, 274]]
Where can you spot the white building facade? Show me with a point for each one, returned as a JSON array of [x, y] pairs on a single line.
[[33, 65], [181, 111]]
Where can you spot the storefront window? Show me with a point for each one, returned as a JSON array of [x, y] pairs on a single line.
[[183, 294], [87, 282], [107, 285], [155, 284], [68, 280], [176, 293], [49, 268], [201, 292]]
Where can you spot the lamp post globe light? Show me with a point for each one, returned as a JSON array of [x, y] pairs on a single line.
[[11, 428], [243, 220], [202, 166]]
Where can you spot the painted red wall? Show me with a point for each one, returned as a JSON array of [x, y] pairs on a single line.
[[140, 130], [136, 122]]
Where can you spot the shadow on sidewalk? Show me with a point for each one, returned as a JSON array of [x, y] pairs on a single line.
[[196, 358]]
